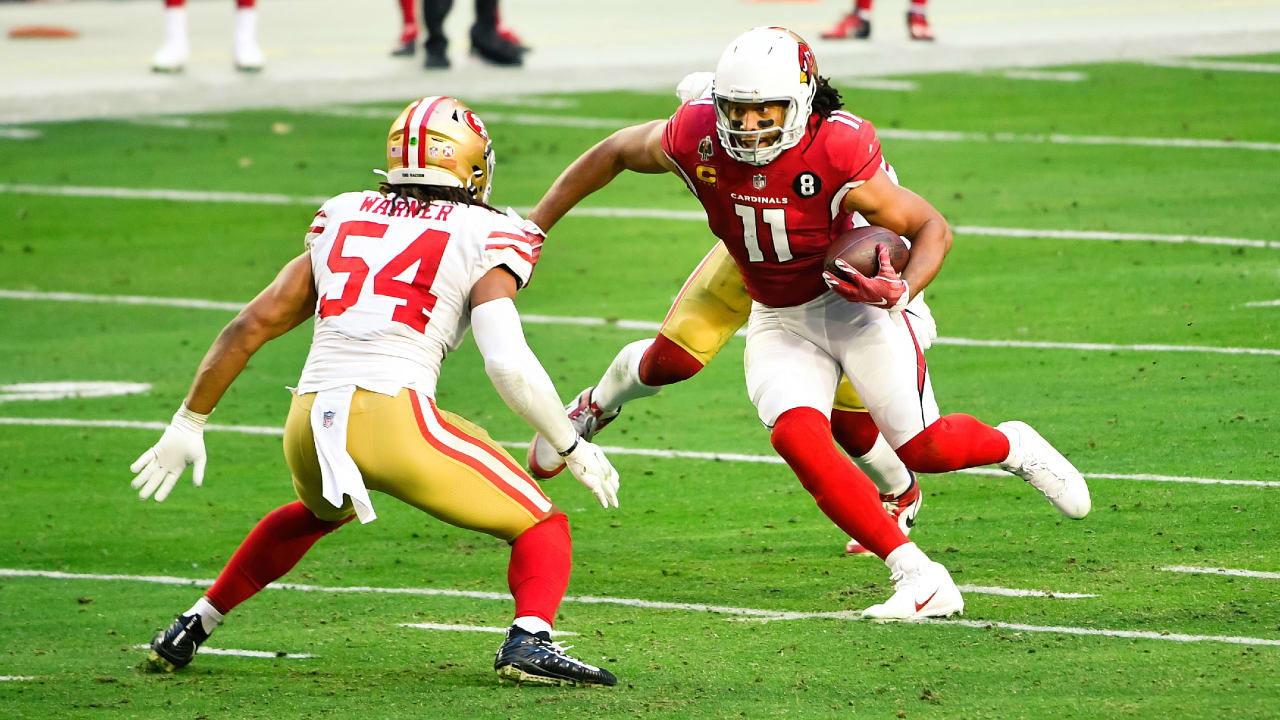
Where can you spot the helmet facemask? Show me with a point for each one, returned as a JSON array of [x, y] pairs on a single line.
[[760, 146]]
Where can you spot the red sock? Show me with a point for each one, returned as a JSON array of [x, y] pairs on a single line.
[[864, 7], [954, 442], [406, 12], [244, 3], [272, 548], [665, 363], [802, 436], [539, 571], [174, 3], [855, 431]]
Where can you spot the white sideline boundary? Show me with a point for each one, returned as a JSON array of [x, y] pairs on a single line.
[[1222, 571], [206, 650], [611, 449], [473, 628], [643, 325], [1223, 65], [736, 612], [213, 196]]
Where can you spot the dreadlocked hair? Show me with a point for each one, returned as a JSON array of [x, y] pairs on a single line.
[[826, 99], [427, 194]]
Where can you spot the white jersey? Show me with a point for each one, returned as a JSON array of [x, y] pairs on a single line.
[[394, 281]]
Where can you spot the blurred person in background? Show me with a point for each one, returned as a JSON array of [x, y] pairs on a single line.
[[490, 41], [857, 24], [174, 52]]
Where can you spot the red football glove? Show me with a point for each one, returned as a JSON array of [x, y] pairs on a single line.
[[886, 290]]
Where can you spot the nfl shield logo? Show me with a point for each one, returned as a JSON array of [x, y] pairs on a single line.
[[757, 181], [327, 418]]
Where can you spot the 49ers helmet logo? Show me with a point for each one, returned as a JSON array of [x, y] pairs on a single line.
[[476, 124]]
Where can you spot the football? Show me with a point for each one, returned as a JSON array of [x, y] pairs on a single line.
[[858, 248]]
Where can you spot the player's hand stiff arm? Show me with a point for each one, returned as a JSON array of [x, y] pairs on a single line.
[[524, 385]]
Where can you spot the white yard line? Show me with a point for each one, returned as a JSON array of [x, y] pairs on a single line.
[[1263, 303], [178, 123], [736, 612], [1225, 65], [474, 628], [1013, 592], [18, 133], [1137, 634], [1045, 75], [881, 84], [15, 678], [575, 121], [1062, 139], [612, 449], [1222, 571], [206, 650], [607, 212], [642, 325]]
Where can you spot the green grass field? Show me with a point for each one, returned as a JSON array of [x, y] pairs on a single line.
[[1139, 420]]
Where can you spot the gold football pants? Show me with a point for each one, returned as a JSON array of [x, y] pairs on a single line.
[[434, 460], [712, 306]]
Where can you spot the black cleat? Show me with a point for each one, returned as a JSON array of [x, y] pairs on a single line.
[[528, 657], [494, 49], [404, 49], [436, 61], [173, 649]]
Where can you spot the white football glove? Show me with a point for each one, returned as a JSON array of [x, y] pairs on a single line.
[[181, 445], [695, 85], [587, 463]]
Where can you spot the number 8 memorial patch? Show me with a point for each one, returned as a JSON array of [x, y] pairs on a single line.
[[807, 185]]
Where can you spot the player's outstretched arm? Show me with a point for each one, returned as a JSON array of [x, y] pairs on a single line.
[[282, 306], [525, 386], [895, 207], [637, 148]]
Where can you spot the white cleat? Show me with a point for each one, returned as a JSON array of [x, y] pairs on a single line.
[[1033, 459], [171, 57], [587, 419], [925, 592], [248, 56]]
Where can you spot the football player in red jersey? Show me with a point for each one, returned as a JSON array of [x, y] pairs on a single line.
[[777, 166]]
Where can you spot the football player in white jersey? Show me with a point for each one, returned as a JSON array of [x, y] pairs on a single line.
[[394, 277]]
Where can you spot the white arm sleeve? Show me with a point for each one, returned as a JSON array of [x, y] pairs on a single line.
[[516, 372]]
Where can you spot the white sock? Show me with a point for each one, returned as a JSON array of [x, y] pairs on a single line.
[[210, 618], [884, 468], [1015, 459], [916, 8], [905, 558], [175, 25], [621, 382], [532, 624], [247, 25]]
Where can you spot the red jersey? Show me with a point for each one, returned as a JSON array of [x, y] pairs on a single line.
[[777, 220]]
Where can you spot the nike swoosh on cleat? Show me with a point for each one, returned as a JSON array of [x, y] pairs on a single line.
[[920, 605]]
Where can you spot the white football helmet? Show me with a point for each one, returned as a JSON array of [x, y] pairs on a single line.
[[439, 141], [765, 64]]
